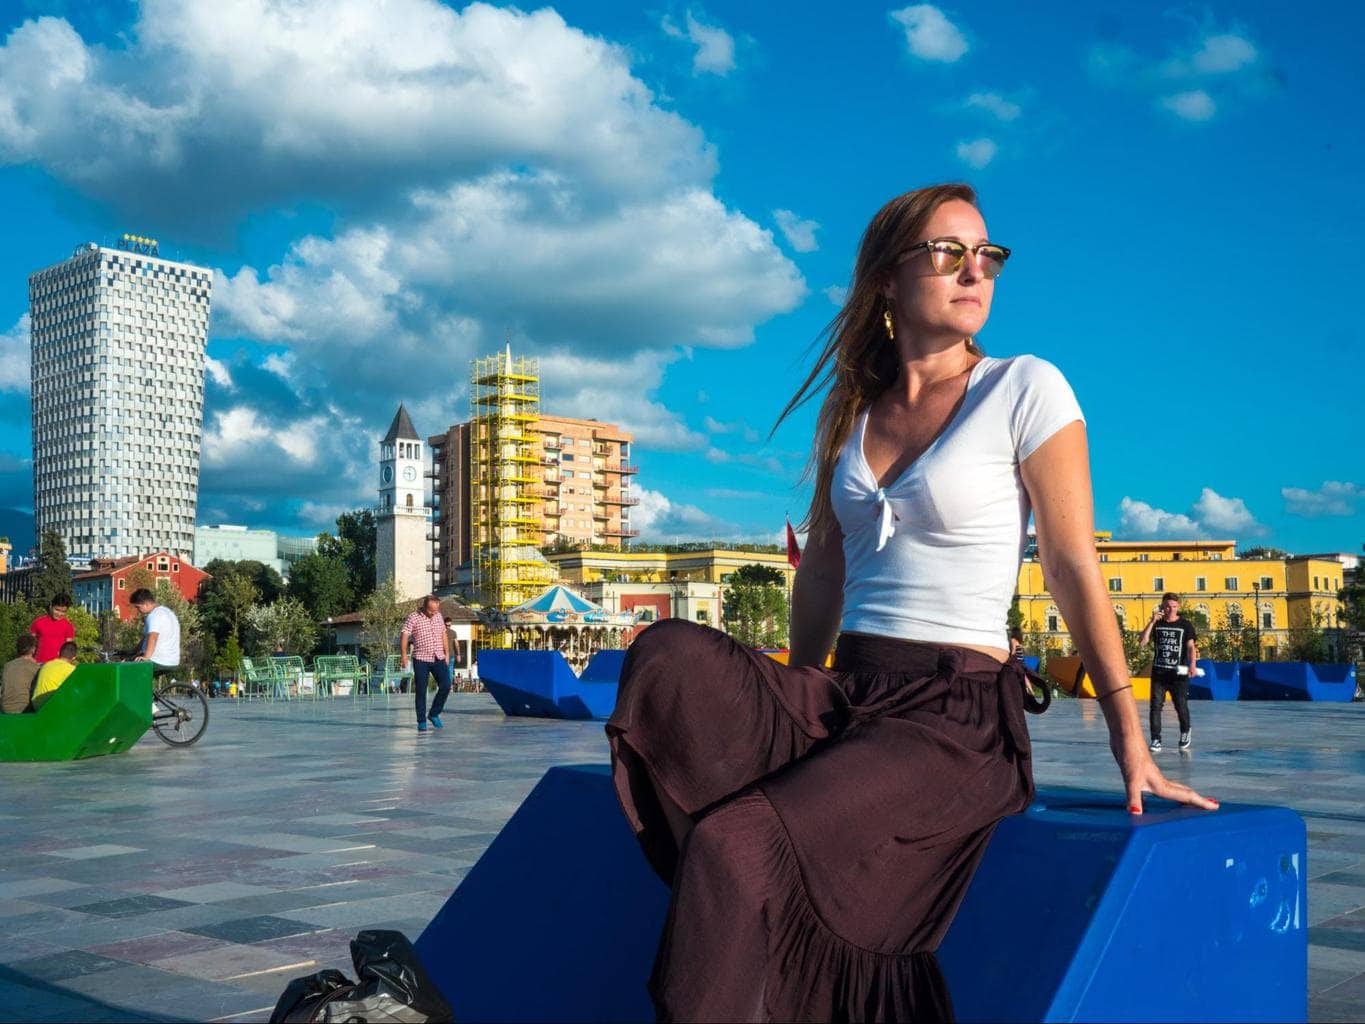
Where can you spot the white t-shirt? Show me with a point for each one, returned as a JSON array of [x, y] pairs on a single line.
[[162, 621], [935, 555]]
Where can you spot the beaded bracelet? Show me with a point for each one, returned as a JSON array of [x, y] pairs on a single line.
[[1111, 693]]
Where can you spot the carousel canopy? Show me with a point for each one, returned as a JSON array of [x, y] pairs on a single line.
[[560, 606]]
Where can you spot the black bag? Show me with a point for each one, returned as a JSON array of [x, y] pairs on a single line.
[[392, 987]]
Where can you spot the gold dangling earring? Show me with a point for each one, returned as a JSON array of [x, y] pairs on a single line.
[[890, 324]]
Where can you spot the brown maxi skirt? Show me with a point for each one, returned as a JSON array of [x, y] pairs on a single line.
[[839, 816]]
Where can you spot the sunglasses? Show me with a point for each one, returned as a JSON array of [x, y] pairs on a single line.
[[946, 256]]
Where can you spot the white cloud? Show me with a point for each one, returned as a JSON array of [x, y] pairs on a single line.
[[616, 390], [663, 521], [1221, 53], [754, 460], [326, 454], [715, 47], [1333, 498], [1139, 519], [977, 153], [800, 234], [1225, 53], [994, 104], [738, 428], [211, 109], [1212, 515], [929, 34], [836, 293], [218, 372], [15, 350], [680, 269], [1195, 105], [1226, 515], [1193, 81]]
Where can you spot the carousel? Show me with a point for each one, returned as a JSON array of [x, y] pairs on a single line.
[[560, 620]]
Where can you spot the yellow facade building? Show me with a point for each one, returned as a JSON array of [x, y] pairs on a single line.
[[709, 565], [1275, 594]]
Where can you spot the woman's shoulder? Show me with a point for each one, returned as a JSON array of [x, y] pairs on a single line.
[[1028, 376], [1027, 367]]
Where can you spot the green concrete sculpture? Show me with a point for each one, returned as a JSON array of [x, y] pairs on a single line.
[[100, 709]]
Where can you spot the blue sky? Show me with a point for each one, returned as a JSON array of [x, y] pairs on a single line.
[[663, 205]]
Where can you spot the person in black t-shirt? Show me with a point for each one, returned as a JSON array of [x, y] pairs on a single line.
[[1175, 651]]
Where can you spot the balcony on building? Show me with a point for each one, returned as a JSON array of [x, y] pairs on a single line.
[[625, 469]]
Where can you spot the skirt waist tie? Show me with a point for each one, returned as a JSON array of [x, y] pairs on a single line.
[[1014, 689]]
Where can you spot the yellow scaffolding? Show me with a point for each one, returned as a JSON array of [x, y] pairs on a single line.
[[505, 484]]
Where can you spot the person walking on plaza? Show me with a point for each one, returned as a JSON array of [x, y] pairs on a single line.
[[16, 687], [160, 633], [424, 636], [1174, 653], [818, 828], [53, 628]]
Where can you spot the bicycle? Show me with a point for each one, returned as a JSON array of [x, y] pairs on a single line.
[[180, 711]]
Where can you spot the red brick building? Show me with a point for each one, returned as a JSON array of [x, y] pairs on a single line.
[[109, 581]]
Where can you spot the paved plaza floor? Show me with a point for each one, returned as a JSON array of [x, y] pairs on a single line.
[[193, 884]]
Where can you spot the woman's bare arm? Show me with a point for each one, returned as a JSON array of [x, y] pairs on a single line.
[[817, 597], [1057, 477]]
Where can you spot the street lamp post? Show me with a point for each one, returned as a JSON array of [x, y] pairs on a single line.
[[1256, 611]]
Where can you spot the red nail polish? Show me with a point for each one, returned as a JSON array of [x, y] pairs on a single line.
[[1135, 810]]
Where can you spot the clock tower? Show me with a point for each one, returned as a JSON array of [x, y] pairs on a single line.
[[402, 550]]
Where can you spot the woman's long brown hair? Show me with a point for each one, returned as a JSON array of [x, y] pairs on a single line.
[[858, 362]]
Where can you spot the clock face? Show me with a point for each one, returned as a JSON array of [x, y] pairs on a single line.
[[410, 474], [386, 474]]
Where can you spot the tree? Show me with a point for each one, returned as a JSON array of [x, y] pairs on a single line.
[[1137, 654], [229, 657], [53, 575], [225, 599], [1307, 640], [354, 545], [322, 583], [87, 633], [381, 620], [1198, 619], [756, 607], [1014, 619], [1352, 597], [1262, 552], [1231, 641], [14, 622], [285, 623], [269, 583]]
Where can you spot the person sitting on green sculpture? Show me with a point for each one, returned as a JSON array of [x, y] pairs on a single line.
[[19, 674], [53, 674]]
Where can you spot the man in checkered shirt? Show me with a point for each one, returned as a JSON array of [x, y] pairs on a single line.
[[424, 634]]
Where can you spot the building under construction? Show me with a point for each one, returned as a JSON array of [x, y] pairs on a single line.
[[576, 487], [506, 529]]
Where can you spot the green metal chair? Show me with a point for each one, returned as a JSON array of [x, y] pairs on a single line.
[[257, 680], [394, 676], [287, 673], [331, 669]]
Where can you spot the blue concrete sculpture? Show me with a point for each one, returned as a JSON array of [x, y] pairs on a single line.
[[1075, 893], [1222, 680], [559, 919], [540, 684], [1079, 912], [1297, 680]]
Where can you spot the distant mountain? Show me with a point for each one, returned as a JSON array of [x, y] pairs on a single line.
[[18, 527]]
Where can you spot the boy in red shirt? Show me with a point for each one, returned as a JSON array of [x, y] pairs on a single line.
[[53, 629]]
